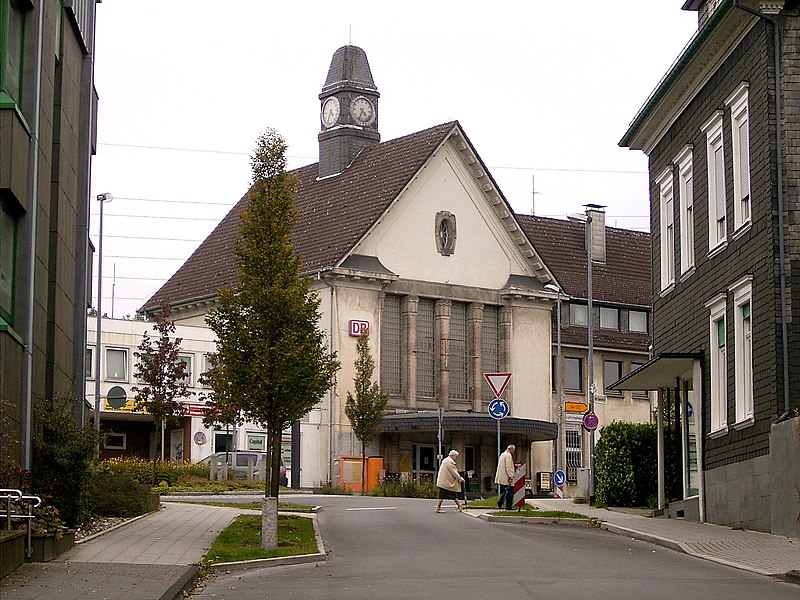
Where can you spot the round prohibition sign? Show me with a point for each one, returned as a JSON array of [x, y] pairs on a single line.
[[590, 421]]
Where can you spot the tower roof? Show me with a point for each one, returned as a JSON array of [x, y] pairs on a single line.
[[348, 65]]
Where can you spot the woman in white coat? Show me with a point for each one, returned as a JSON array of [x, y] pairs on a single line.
[[449, 482]]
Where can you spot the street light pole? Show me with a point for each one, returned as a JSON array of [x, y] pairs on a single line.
[[587, 222], [102, 198]]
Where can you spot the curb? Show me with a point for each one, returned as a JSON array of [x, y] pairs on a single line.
[[183, 584], [319, 556], [537, 520]]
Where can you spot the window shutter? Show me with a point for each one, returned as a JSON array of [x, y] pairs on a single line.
[[744, 158]]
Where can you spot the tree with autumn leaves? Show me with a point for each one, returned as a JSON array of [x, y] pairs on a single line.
[[163, 374], [269, 344]]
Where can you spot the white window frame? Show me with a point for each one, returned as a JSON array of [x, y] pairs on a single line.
[[740, 142], [189, 359], [126, 364], [717, 207], [742, 293], [666, 202], [719, 385], [121, 446], [684, 162], [91, 351]]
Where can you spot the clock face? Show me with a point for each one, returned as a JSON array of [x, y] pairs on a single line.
[[330, 112], [362, 111]]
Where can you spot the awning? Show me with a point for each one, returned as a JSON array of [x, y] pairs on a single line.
[[658, 373], [428, 421]]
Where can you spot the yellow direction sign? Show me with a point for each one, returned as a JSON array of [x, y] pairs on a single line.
[[576, 407]]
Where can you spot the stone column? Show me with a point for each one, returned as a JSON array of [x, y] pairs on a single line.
[[474, 338], [408, 327], [441, 344]]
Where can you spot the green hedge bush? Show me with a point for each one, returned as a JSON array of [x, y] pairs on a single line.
[[147, 472], [404, 488], [119, 495], [626, 464]]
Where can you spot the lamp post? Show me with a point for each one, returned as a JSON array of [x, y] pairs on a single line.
[[559, 378], [102, 199], [587, 223]]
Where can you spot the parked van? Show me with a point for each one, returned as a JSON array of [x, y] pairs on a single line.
[[239, 460]]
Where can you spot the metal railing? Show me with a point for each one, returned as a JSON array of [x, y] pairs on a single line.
[[16, 505]]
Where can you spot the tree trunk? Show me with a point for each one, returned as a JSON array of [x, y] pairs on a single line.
[[363, 469], [269, 523]]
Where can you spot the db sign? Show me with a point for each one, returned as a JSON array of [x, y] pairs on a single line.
[[359, 327]]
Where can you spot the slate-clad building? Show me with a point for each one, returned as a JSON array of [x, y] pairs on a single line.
[[47, 138], [721, 136]]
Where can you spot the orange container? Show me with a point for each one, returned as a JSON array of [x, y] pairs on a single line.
[[350, 473]]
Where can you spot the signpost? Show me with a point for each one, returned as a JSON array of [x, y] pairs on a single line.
[[559, 479], [498, 408]]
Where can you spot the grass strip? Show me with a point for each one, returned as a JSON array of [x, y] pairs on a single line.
[[545, 514], [257, 506], [241, 540]]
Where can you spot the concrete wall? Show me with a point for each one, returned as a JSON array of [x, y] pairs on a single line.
[[738, 494], [785, 478]]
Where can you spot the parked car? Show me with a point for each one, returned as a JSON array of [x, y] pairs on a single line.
[[239, 460]]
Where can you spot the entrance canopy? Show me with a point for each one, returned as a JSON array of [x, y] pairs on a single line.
[[658, 373], [428, 421]]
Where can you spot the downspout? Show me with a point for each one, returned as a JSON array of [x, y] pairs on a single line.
[[332, 391], [33, 209], [776, 42]]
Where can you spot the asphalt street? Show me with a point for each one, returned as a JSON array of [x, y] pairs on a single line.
[[398, 548]]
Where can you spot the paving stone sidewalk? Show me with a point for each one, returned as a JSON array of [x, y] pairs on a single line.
[[152, 558]]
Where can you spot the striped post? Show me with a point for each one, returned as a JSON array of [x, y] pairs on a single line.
[[519, 486]]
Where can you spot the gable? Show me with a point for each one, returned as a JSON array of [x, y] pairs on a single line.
[[404, 240]]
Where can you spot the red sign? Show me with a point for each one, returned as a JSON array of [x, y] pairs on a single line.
[[357, 328], [195, 409], [590, 421]]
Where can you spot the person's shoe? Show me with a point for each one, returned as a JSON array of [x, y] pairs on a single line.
[[439, 510]]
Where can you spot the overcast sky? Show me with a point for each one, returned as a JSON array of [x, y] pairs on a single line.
[[544, 90]]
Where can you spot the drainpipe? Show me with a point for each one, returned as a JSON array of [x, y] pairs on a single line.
[[776, 42], [33, 211], [332, 391]]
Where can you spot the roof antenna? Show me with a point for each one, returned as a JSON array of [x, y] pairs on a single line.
[[350, 38]]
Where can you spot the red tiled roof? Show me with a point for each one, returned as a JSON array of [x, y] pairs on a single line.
[[332, 215]]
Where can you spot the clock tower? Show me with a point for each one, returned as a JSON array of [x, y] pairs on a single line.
[[348, 111]]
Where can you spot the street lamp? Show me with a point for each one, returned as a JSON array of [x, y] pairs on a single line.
[[559, 378], [587, 223], [102, 199]]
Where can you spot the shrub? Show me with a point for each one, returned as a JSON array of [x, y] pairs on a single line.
[[150, 473], [404, 488], [334, 490], [62, 449], [119, 495], [626, 464]]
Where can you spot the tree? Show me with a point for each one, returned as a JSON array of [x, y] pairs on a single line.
[[163, 374], [365, 409], [269, 344]]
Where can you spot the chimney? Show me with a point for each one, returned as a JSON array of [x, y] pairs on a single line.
[[598, 216]]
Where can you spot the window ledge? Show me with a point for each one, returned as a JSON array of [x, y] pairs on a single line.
[[718, 249], [6, 328], [667, 289], [718, 433], [687, 274], [744, 424], [742, 229]]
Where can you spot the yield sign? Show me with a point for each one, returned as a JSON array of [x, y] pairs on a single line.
[[498, 382]]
